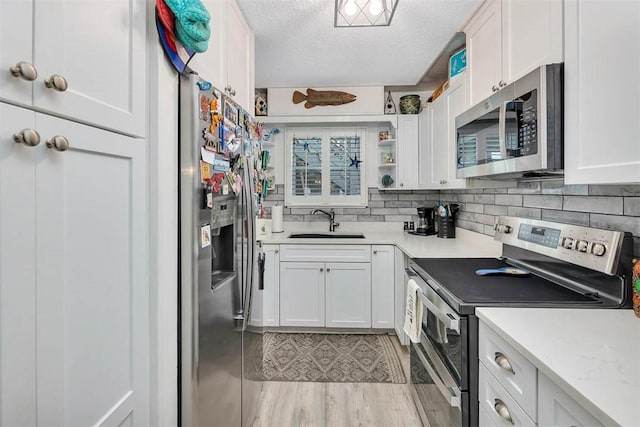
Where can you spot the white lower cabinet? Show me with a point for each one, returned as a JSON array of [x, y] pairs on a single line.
[[302, 288], [74, 289], [348, 295], [335, 286], [400, 287], [557, 408], [382, 286], [512, 391], [502, 409]]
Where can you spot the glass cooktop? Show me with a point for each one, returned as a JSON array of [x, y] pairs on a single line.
[[457, 276]]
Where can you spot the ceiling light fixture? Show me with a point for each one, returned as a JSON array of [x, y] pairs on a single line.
[[364, 13]]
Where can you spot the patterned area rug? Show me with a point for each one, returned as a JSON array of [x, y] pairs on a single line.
[[330, 358]]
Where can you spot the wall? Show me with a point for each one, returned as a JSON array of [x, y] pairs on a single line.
[[614, 207]]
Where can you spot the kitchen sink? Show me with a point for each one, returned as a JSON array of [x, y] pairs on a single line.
[[326, 236]]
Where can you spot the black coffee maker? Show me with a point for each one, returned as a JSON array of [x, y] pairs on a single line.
[[426, 222]]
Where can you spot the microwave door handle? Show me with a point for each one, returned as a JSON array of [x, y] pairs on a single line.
[[502, 129]]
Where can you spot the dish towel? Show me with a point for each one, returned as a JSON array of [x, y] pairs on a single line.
[[413, 312]]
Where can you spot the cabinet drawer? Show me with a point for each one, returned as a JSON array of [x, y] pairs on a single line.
[[559, 409], [520, 379], [326, 253], [492, 396]]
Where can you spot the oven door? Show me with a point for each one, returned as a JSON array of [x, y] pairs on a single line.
[[439, 372]]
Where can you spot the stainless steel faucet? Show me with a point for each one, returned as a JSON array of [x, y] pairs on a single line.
[[332, 218]]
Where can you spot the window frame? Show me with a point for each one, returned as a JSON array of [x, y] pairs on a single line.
[[325, 198]]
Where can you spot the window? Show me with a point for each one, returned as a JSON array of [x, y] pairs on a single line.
[[325, 167]]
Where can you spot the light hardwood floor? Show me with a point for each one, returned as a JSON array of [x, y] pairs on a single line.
[[308, 404]]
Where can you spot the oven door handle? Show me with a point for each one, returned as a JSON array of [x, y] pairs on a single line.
[[451, 394], [449, 321]]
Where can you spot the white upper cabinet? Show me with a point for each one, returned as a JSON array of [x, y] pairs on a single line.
[[508, 38], [602, 113], [89, 69], [407, 151], [440, 144], [229, 63]]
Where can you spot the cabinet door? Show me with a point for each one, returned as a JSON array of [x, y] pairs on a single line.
[[211, 64], [557, 408], [92, 272], [456, 105], [424, 151], [348, 295], [484, 51], [99, 48], [400, 297], [271, 292], [240, 57], [17, 270], [601, 110], [16, 39], [438, 167], [382, 286], [531, 36], [302, 294], [407, 148]]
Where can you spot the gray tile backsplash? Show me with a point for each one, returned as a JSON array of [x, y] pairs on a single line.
[[615, 207]]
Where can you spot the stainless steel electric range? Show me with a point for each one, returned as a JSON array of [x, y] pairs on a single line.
[[569, 265]]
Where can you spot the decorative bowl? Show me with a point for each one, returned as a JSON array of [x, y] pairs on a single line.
[[410, 104]]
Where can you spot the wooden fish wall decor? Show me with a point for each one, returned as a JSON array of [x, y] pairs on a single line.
[[322, 97]]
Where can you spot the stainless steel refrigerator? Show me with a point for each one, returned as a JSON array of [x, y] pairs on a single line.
[[220, 356]]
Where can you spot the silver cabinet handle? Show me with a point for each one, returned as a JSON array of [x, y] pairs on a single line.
[[495, 88], [503, 362], [229, 90], [375, 251], [328, 270], [402, 184], [58, 143], [28, 137], [276, 251], [502, 410], [502, 83], [321, 269], [25, 71], [57, 83]]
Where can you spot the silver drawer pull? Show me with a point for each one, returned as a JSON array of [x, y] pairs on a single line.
[[503, 362], [24, 71], [502, 410]]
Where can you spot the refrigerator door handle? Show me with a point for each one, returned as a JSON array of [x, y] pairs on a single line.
[[261, 262]]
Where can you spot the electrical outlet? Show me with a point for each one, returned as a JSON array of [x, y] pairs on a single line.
[[412, 225], [406, 226]]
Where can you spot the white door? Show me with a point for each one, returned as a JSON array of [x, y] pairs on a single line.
[[93, 290], [484, 51], [99, 48], [407, 151], [456, 105], [531, 36], [16, 40], [302, 294], [438, 167], [382, 286], [348, 294], [271, 292], [602, 111], [17, 270], [240, 57]]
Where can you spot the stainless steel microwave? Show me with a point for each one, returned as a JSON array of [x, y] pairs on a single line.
[[517, 132]]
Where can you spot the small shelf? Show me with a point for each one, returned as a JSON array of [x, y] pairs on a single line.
[[386, 142], [386, 165]]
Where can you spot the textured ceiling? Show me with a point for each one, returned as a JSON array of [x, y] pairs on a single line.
[[297, 44]]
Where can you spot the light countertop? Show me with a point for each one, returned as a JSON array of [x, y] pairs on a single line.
[[466, 244], [593, 355]]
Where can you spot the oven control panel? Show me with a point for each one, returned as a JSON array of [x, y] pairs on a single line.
[[588, 247]]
